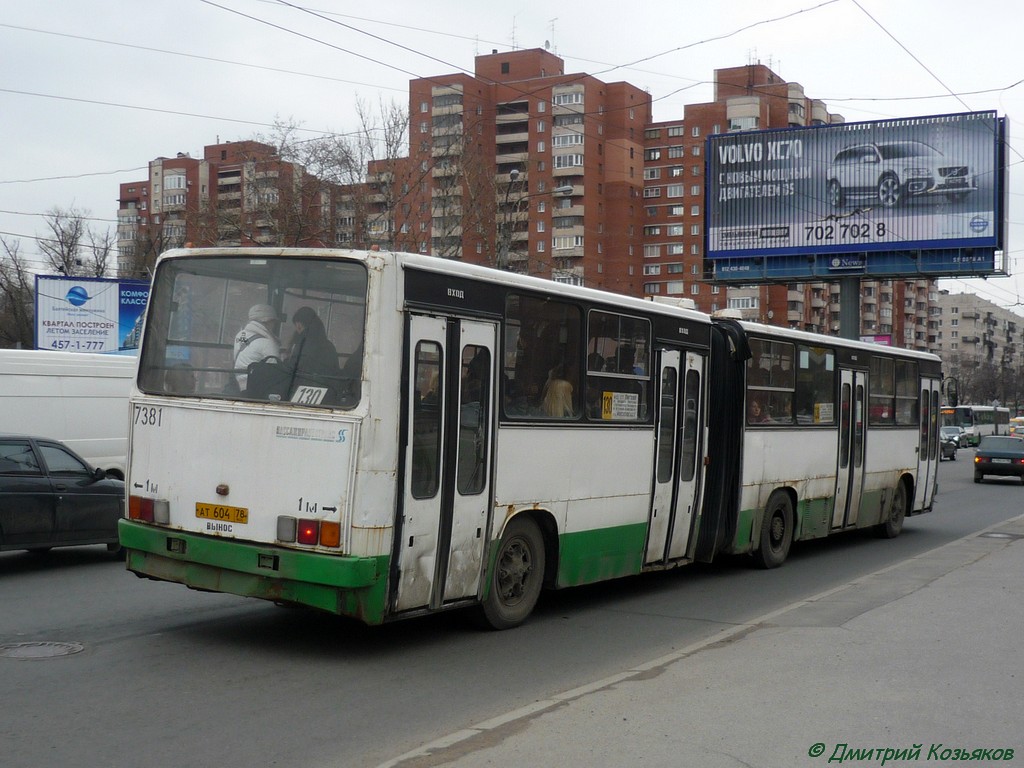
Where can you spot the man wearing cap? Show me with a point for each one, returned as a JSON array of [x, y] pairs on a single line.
[[256, 341]]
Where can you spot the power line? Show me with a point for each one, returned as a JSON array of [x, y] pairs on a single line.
[[158, 110], [200, 57]]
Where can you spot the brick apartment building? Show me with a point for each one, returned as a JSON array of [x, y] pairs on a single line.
[[233, 195], [527, 168]]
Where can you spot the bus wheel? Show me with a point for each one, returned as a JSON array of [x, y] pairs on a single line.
[[892, 525], [776, 531], [518, 575]]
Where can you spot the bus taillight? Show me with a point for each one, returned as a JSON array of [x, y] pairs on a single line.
[[140, 508], [330, 534], [149, 510], [309, 531]]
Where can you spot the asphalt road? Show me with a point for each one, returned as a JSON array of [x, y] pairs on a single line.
[[163, 676]]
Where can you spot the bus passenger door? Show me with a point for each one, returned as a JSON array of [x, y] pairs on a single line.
[[677, 454], [850, 470], [928, 444], [441, 530]]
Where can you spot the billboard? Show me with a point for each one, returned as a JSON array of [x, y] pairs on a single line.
[[890, 186], [89, 314]]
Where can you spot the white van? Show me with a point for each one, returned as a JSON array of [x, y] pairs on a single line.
[[78, 398]]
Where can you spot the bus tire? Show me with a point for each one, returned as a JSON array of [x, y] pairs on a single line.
[[776, 531], [892, 526], [517, 577]]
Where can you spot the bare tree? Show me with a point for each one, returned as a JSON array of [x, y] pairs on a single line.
[[382, 178], [73, 248], [17, 285]]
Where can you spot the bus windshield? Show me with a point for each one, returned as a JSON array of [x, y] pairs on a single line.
[[258, 328]]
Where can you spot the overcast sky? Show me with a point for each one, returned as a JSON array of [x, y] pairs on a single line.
[[92, 90]]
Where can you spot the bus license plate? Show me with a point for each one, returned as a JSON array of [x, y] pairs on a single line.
[[222, 513]]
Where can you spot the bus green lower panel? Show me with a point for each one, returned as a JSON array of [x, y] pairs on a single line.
[[814, 520], [604, 553], [349, 586]]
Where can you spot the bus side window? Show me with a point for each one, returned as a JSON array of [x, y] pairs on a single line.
[[426, 421]]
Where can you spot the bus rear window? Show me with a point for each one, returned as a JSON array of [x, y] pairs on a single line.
[[256, 328]]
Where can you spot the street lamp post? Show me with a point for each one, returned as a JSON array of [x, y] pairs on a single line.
[[510, 209], [505, 226]]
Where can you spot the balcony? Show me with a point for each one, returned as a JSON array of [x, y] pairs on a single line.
[[513, 137]]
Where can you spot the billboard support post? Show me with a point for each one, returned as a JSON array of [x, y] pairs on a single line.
[[849, 308]]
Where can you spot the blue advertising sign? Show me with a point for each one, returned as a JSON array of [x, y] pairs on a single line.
[[89, 314]]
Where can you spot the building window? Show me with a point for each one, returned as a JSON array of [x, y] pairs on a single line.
[[652, 251], [674, 190], [652, 154], [567, 139], [562, 99], [676, 151], [652, 173], [568, 161], [652, 192], [744, 123], [676, 130], [695, 131]]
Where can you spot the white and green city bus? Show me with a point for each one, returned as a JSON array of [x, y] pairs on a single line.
[[482, 435]]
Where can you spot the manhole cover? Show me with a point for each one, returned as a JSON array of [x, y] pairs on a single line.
[[1001, 535], [39, 650]]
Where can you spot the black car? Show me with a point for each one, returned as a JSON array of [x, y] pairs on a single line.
[[1003, 456], [948, 444], [50, 497]]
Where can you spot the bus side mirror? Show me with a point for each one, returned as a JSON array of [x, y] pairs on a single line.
[[951, 391]]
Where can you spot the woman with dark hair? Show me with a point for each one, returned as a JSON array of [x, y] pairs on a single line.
[[313, 359]]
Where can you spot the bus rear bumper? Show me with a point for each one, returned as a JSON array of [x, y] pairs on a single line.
[[344, 585]]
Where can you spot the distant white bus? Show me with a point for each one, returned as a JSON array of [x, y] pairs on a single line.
[[977, 420], [78, 398]]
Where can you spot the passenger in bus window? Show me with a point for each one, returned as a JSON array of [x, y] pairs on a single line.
[[312, 358], [256, 341], [755, 412], [557, 402]]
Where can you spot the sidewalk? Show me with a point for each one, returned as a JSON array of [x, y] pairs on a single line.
[[924, 655]]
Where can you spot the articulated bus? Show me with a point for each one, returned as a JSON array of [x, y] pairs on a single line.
[[479, 435], [977, 420]]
